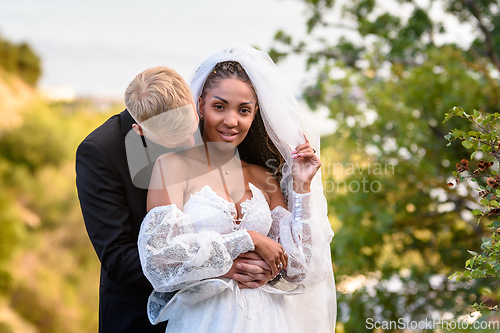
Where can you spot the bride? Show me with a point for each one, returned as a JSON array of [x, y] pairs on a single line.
[[252, 185]]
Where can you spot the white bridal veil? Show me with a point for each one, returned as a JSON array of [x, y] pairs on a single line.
[[285, 123]]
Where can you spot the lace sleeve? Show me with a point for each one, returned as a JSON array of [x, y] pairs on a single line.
[[302, 240], [174, 255]]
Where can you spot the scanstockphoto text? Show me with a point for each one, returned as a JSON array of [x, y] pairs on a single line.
[[337, 176], [428, 324]]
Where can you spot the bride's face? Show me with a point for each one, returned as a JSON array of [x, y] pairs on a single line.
[[228, 110]]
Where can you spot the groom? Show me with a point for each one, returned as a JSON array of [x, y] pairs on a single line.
[[113, 207]]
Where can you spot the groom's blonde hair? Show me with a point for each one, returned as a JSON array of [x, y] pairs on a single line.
[[155, 91]]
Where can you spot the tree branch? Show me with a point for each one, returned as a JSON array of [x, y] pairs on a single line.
[[339, 26], [490, 50]]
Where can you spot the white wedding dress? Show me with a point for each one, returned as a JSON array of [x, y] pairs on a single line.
[[183, 253]]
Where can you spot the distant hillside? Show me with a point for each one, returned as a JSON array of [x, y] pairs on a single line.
[[20, 60], [49, 272], [15, 94]]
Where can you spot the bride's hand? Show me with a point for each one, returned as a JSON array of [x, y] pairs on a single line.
[[305, 165], [272, 252]]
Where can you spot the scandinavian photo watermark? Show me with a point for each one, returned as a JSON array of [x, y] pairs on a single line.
[[334, 175]]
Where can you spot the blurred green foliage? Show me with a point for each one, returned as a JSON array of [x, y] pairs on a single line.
[[49, 273], [20, 60], [485, 141], [388, 81]]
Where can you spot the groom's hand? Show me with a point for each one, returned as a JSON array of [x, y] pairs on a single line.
[[250, 270]]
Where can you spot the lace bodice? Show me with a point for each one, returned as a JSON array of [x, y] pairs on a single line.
[[209, 211], [178, 248]]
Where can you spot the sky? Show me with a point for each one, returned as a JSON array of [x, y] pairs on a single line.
[[96, 47]]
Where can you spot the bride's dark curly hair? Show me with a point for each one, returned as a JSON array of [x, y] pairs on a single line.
[[257, 147]]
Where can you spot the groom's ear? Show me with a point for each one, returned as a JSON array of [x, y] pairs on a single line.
[[138, 129], [201, 104]]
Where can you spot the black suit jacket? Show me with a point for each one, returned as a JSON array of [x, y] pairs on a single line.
[[113, 209]]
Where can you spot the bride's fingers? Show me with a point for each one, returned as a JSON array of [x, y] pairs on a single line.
[[304, 151], [284, 261], [303, 147], [312, 157], [308, 152], [279, 267], [274, 268], [250, 255]]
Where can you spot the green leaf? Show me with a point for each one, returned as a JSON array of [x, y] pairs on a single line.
[[477, 212], [458, 110], [472, 133], [485, 148], [485, 246], [494, 203], [478, 273], [476, 114], [472, 252], [467, 144], [484, 202], [447, 116]]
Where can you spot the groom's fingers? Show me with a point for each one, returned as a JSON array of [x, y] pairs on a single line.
[[252, 281], [258, 278], [253, 266]]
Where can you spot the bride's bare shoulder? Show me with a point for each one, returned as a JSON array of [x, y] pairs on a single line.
[[264, 179], [172, 157], [170, 168]]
